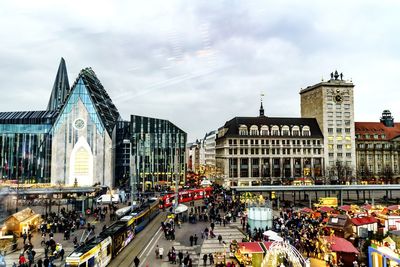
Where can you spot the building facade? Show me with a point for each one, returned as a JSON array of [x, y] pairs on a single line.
[[152, 152], [378, 149], [265, 150], [332, 104], [80, 139]]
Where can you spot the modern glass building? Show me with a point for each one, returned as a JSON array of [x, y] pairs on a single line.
[[81, 139]]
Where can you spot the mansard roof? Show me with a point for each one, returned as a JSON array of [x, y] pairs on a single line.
[[105, 108], [372, 128], [233, 124], [61, 88], [28, 117]]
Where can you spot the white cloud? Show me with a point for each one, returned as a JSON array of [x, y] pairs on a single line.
[[200, 63]]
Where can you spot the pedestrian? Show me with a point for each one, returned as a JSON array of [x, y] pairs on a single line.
[[24, 236], [220, 238], [191, 240], [212, 226], [136, 261], [205, 259], [211, 257], [161, 252], [157, 251], [40, 263], [46, 262], [180, 256], [195, 239]]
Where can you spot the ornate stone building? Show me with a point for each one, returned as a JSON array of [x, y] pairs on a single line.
[[265, 150], [332, 104], [378, 149]]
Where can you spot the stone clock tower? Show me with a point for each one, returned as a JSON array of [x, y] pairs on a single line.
[[332, 104]]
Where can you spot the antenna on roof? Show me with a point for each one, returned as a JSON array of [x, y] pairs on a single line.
[[261, 107]]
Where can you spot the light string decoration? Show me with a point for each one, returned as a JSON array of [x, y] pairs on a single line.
[[283, 254]]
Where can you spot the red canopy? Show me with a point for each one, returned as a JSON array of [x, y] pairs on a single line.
[[306, 210], [250, 247], [267, 244], [326, 209], [367, 207], [363, 220], [339, 244], [345, 207], [394, 207]]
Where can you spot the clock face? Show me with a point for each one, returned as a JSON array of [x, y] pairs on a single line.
[[338, 98], [79, 124]]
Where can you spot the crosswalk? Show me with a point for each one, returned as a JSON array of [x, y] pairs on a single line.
[[191, 250], [14, 257], [211, 245]]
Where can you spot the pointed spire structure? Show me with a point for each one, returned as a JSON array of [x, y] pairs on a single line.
[[261, 107], [60, 88]]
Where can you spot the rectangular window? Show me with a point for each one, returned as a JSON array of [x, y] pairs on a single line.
[[346, 98], [329, 98], [348, 137], [338, 106], [376, 136], [347, 130], [339, 155], [348, 146], [330, 147], [329, 106], [338, 123], [347, 114], [346, 106], [339, 138], [339, 147], [230, 141], [330, 114], [338, 114], [330, 122], [347, 122], [339, 130], [330, 155], [330, 138], [330, 130]]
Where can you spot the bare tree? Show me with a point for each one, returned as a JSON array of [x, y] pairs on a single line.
[[387, 174]]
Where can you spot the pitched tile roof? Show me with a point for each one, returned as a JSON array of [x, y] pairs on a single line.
[[363, 220], [371, 128]]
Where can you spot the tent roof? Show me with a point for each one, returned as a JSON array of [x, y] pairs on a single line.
[[23, 214], [339, 244], [363, 220], [250, 247]]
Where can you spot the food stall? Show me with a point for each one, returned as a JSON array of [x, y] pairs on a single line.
[[249, 254]]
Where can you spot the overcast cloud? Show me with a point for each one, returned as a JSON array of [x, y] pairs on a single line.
[[201, 63]]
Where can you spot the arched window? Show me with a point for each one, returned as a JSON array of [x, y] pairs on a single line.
[[306, 131], [295, 130], [285, 130], [243, 130], [264, 130], [253, 130], [275, 130]]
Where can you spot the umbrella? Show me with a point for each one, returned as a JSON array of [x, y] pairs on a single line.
[[270, 233], [326, 209], [394, 207], [345, 207], [206, 182], [181, 208], [306, 210], [367, 206]]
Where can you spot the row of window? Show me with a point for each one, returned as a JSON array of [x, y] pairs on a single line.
[[345, 98], [273, 142], [346, 163], [338, 123], [376, 146], [275, 151], [338, 106], [339, 155], [339, 138], [339, 146], [368, 136], [275, 130], [339, 130], [339, 114], [378, 157]]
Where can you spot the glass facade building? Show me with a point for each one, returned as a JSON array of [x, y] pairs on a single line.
[[150, 150], [82, 139]]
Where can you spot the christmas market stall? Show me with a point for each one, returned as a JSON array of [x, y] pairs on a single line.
[[24, 220], [334, 249], [249, 254], [340, 225]]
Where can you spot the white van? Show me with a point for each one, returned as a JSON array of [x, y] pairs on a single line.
[[108, 199]]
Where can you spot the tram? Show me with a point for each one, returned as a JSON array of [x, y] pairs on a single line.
[[185, 196], [100, 250]]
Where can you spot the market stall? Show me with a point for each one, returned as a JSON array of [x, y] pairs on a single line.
[[340, 225], [249, 254], [334, 248], [24, 220]]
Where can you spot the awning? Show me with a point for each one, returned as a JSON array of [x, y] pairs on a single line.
[[339, 244], [345, 207], [250, 247], [326, 209]]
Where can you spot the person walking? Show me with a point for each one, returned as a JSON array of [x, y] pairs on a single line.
[[205, 259], [180, 256], [211, 257], [195, 239], [191, 240], [136, 261], [157, 251], [24, 236], [220, 238], [161, 252]]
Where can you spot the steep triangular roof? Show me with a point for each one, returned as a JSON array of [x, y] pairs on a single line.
[[102, 102], [60, 88]]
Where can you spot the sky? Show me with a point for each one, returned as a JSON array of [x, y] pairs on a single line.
[[201, 63]]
